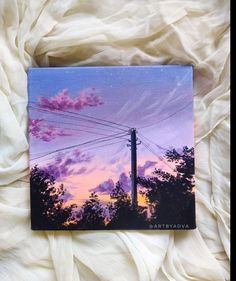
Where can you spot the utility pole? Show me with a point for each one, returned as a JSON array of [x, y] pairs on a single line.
[[133, 146]]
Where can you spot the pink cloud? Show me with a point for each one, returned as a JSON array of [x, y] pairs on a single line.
[[124, 179], [39, 130], [63, 101], [105, 187], [125, 182], [64, 164], [81, 171], [142, 169], [35, 126]]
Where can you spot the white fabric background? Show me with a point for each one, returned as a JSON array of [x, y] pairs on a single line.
[[118, 32]]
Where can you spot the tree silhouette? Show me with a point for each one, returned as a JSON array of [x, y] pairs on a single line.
[[91, 214], [47, 210], [170, 196], [122, 214], [184, 162]]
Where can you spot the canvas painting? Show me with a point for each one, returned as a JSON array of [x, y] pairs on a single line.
[[111, 147]]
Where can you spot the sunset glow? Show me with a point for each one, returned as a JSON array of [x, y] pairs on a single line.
[[80, 123]]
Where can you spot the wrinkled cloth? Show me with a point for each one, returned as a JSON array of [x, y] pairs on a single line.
[[136, 32]]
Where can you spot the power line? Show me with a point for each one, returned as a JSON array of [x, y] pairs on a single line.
[[107, 144], [166, 118], [76, 130], [110, 137], [150, 141], [102, 120], [87, 145], [80, 144], [76, 118], [80, 125], [162, 160], [94, 147], [153, 152], [93, 118]]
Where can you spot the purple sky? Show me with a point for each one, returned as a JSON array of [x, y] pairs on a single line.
[[157, 100]]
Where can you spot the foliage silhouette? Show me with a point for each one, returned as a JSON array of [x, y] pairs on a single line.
[[171, 197], [91, 214], [47, 210], [122, 214]]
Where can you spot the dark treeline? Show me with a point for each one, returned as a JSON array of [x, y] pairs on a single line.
[[169, 198]]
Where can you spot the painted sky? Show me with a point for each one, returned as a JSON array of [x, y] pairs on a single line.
[[157, 100]]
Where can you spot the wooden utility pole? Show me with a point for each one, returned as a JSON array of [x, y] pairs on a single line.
[[133, 167]]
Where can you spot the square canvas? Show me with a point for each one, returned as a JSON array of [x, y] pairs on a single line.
[[111, 147]]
